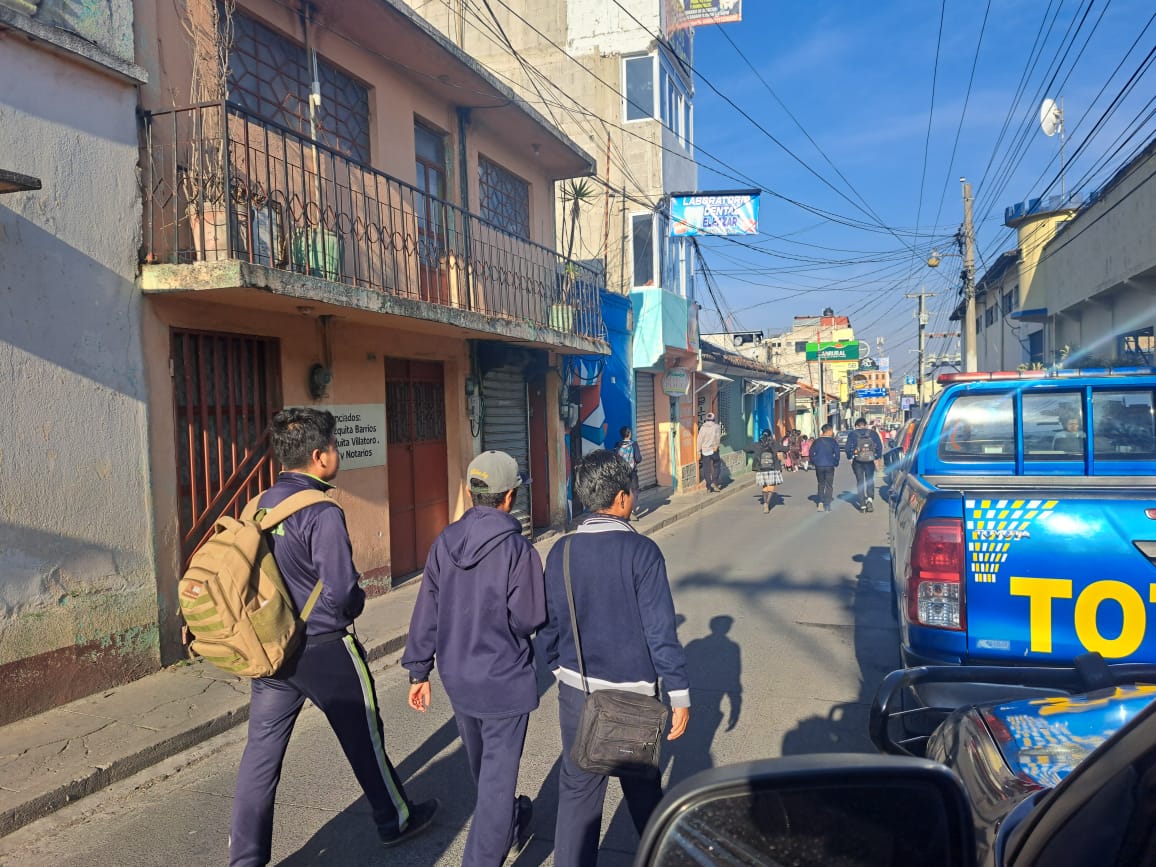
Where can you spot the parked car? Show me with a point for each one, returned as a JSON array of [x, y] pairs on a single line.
[[1061, 778], [1023, 520], [900, 446], [841, 438]]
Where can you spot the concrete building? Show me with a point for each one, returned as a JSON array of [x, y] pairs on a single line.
[[340, 208], [788, 352], [1089, 284], [77, 580], [1002, 341], [617, 79]]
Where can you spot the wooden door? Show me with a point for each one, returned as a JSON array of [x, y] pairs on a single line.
[[418, 480]]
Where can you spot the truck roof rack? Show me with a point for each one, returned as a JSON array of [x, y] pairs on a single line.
[[1063, 373]]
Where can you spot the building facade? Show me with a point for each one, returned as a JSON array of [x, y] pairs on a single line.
[[77, 574], [617, 79], [260, 205]]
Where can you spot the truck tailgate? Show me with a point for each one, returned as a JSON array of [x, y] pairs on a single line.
[[1049, 578]]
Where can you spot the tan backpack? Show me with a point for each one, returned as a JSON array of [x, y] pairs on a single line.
[[233, 598]]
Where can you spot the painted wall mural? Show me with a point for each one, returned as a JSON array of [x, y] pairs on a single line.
[[107, 24]]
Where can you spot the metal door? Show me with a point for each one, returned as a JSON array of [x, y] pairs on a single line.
[[645, 432], [507, 425], [415, 410], [226, 390]]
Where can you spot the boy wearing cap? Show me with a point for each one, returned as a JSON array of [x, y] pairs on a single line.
[[482, 596], [709, 437]]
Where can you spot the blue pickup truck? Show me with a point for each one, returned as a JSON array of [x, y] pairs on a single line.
[[1023, 520]]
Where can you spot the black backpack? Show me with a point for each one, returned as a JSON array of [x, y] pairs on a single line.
[[767, 460], [865, 446]]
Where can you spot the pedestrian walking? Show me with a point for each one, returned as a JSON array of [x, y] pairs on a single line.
[[825, 457], [805, 451], [482, 596], [794, 450], [625, 616], [329, 667], [865, 450], [627, 449], [709, 438], [768, 466]]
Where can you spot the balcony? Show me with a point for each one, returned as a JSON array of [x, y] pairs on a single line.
[[224, 186]]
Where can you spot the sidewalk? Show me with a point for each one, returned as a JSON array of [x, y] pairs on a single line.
[[59, 756]]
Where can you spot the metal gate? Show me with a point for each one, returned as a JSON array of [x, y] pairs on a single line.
[[645, 432], [226, 390], [415, 411], [507, 425]]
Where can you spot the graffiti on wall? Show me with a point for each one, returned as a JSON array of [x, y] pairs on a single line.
[[105, 23]]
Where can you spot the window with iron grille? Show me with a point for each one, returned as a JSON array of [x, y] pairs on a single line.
[[724, 403], [269, 76], [505, 198], [1008, 302]]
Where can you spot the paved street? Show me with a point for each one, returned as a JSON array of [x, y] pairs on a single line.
[[786, 624]]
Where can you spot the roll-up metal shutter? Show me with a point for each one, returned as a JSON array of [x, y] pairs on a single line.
[[645, 432], [507, 426]]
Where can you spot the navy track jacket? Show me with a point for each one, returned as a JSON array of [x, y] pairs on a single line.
[[625, 612], [314, 544], [824, 452], [481, 599]]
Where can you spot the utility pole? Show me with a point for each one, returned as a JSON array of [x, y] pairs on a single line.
[[921, 318], [970, 364]]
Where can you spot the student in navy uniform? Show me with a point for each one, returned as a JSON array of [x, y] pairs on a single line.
[[329, 668], [865, 450], [481, 599], [626, 620], [824, 458]]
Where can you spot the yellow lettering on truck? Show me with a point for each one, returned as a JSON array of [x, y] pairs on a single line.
[[1132, 607], [1040, 593]]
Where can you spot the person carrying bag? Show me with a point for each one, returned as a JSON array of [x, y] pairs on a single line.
[[609, 581], [619, 732]]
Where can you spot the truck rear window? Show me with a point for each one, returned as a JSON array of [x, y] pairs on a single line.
[[1054, 427], [979, 427], [1124, 423]]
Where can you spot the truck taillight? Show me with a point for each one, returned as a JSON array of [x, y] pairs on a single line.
[[935, 581]]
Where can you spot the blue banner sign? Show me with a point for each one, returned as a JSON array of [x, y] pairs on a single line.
[[729, 213], [871, 392]]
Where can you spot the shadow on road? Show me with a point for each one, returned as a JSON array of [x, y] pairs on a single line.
[[870, 630], [844, 728]]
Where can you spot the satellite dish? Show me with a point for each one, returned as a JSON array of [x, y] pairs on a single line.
[[1051, 117]]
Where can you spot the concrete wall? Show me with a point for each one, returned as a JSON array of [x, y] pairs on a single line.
[[77, 586], [107, 24], [1097, 275]]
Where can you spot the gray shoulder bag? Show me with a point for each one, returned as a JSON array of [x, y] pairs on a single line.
[[619, 732]]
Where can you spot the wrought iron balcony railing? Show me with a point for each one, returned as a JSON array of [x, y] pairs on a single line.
[[220, 183]]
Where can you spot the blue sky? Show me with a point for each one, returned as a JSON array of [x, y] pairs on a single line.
[[857, 76]]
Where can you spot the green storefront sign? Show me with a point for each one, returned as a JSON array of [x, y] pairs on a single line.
[[843, 350]]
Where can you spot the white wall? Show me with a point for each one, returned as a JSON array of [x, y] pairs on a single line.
[[76, 551]]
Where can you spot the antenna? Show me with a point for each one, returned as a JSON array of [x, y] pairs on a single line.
[[1051, 122]]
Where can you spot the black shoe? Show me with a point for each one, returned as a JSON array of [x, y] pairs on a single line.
[[420, 816], [524, 815], [870, 505]]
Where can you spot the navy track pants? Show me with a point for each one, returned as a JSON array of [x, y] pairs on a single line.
[[333, 673], [494, 751], [581, 794]]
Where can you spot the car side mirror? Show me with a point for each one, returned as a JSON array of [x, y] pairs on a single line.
[[814, 811]]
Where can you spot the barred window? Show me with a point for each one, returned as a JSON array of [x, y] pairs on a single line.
[[505, 198], [269, 76]]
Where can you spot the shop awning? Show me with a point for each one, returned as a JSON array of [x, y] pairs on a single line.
[[716, 377]]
